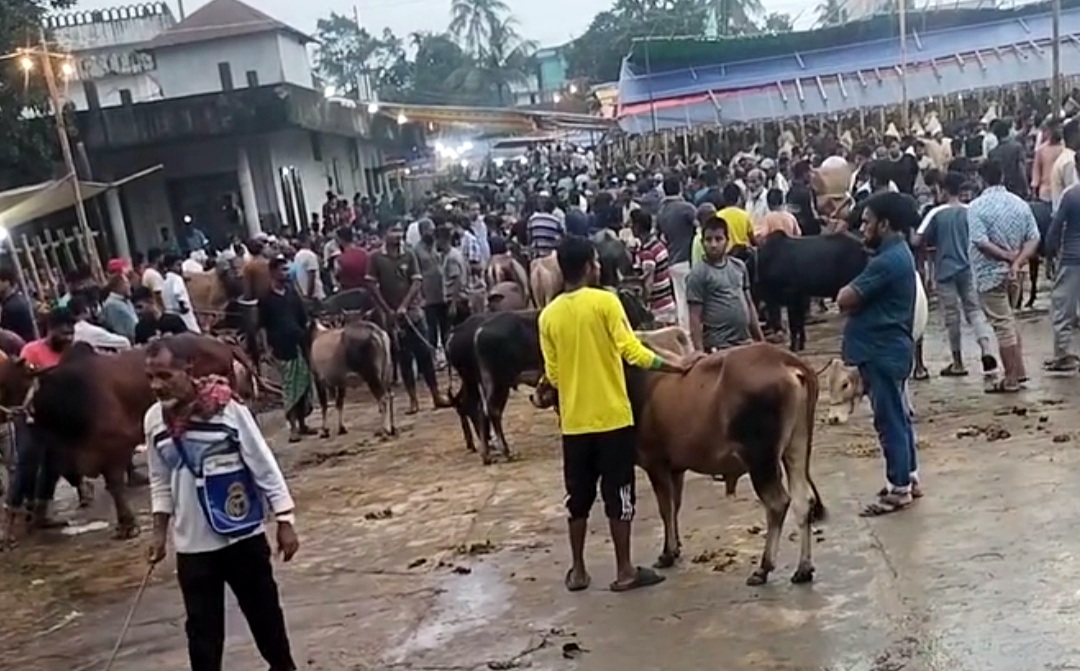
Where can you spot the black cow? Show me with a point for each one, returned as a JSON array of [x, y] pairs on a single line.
[[1043, 216], [790, 271], [492, 354]]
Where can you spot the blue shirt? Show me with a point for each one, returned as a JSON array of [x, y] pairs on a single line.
[[1004, 219], [879, 332], [1063, 238], [945, 228]]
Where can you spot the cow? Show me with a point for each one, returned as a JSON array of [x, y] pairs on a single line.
[[1043, 217], [90, 407], [790, 271], [545, 277], [843, 383], [360, 347], [505, 297], [751, 405], [492, 354], [503, 267], [545, 280]]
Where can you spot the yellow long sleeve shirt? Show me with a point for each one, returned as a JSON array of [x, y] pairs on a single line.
[[584, 337]]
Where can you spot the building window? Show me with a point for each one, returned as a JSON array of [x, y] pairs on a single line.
[[125, 97], [92, 99], [252, 78], [225, 72], [316, 146]]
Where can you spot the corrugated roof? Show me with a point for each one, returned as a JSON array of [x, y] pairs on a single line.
[[218, 20]]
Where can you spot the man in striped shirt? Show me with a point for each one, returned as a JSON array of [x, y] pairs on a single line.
[[544, 230], [653, 257]]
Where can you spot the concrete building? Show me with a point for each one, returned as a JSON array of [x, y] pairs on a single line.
[[226, 103]]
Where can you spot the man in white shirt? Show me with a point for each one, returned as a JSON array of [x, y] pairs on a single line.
[[174, 294], [1063, 173], [97, 337], [308, 278], [208, 555], [152, 278], [194, 263]]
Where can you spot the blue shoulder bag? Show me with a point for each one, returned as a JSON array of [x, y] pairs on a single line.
[[226, 491]]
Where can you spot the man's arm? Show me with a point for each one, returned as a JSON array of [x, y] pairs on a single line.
[[697, 334], [981, 240], [551, 354], [1036, 172], [415, 276], [161, 499], [100, 338], [376, 290], [748, 305], [1053, 234], [1031, 241], [866, 286], [695, 299]]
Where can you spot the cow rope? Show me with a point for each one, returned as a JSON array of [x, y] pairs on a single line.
[[130, 615]]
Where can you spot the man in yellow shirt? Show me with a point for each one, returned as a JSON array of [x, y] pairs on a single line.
[[585, 337]]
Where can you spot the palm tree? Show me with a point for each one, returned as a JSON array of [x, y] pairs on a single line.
[[472, 22], [831, 13], [506, 60]]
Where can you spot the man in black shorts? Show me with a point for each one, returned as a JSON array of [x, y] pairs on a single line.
[[585, 337]]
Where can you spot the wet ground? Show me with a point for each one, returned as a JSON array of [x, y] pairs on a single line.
[[415, 556]]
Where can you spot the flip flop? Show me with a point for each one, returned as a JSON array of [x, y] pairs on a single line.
[[576, 586], [921, 375], [886, 505], [1000, 388], [644, 578], [952, 371]]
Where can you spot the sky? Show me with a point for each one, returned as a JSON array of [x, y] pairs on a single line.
[[548, 22]]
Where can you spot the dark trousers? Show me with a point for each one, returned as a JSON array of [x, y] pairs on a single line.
[[410, 348], [245, 567], [37, 468], [608, 458], [437, 317]]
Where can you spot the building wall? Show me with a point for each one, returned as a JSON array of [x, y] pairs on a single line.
[[192, 69]]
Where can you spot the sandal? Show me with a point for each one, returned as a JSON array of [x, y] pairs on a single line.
[[920, 375], [1000, 387], [575, 586], [886, 505], [643, 578], [953, 370], [916, 491], [1065, 364]]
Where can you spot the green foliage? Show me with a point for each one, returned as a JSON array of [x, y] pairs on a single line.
[[831, 13], [26, 145]]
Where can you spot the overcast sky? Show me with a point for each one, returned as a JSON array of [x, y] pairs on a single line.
[[549, 22]]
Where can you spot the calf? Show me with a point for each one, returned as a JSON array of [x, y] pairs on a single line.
[[753, 405], [843, 383], [492, 354], [359, 347]]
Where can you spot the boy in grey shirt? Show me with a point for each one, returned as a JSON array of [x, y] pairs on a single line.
[[718, 292]]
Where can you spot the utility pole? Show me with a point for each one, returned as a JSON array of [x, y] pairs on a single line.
[[1055, 50], [69, 160], [648, 78], [903, 69]]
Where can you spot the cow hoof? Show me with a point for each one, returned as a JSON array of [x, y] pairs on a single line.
[[803, 574], [666, 560], [341, 431], [325, 433], [758, 577], [488, 460], [126, 531]]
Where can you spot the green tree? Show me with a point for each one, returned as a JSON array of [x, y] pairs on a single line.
[[438, 57], [778, 22], [473, 23], [831, 13], [506, 60], [346, 52], [26, 145]]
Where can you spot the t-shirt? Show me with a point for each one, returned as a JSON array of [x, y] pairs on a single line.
[[177, 301], [152, 280], [39, 355], [352, 266], [430, 262], [739, 226], [945, 228], [720, 289], [585, 337], [394, 275], [677, 221], [306, 262], [879, 333], [653, 255]]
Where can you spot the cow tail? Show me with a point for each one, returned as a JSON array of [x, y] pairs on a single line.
[[818, 513]]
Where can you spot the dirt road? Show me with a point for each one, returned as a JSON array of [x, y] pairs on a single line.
[[417, 557]]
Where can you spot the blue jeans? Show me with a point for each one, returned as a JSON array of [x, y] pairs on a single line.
[[892, 421]]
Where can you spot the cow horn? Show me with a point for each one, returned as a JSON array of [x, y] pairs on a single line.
[[828, 365]]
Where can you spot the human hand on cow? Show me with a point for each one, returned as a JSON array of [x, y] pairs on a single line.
[[688, 361], [287, 541]]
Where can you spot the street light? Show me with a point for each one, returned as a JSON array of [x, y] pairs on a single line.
[[573, 89], [330, 91], [558, 98], [67, 68], [26, 63], [402, 119], [373, 108]]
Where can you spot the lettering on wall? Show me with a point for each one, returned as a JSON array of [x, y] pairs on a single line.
[[98, 66]]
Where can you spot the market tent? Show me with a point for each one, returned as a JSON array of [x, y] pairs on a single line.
[[26, 203]]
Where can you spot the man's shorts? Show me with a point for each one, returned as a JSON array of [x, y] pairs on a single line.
[[997, 304], [607, 458]]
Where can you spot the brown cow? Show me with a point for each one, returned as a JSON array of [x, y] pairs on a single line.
[[506, 296], [505, 268], [91, 407], [753, 404], [359, 347], [545, 280]]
